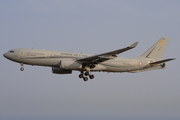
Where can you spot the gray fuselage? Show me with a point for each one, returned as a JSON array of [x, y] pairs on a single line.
[[53, 58]]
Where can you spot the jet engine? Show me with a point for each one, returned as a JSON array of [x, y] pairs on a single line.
[[60, 71], [70, 65]]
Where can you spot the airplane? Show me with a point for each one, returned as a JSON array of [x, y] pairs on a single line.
[[66, 62]]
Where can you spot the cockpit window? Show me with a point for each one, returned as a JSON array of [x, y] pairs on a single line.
[[11, 51]]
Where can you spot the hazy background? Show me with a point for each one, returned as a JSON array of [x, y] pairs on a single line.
[[89, 26]]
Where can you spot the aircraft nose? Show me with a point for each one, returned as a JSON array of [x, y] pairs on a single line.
[[5, 55]]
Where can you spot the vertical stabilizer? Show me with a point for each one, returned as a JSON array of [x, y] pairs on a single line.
[[156, 52]]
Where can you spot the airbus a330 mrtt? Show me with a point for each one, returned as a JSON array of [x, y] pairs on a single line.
[[66, 62]]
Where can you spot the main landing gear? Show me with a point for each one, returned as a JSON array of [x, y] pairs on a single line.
[[22, 68], [82, 75]]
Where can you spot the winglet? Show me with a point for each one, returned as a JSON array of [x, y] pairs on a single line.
[[134, 45]]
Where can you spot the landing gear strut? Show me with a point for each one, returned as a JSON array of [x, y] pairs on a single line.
[[22, 68]]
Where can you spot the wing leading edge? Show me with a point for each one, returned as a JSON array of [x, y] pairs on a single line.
[[96, 59]]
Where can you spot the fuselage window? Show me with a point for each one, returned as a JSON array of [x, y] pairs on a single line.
[[84, 55], [11, 51]]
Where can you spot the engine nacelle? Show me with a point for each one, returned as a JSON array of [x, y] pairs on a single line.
[[60, 71], [163, 65], [70, 65]]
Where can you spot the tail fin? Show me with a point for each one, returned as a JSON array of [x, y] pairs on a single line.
[[156, 52]]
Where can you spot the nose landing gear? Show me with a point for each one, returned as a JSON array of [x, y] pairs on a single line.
[[22, 68]]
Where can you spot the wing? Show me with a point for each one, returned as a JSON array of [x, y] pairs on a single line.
[[96, 59]]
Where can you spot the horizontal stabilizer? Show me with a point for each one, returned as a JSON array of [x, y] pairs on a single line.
[[153, 68], [161, 61]]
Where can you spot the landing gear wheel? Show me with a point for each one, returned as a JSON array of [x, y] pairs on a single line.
[[22, 69], [86, 73], [81, 76], [85, 78], [91, 76]]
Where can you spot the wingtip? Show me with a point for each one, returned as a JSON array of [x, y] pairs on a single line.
[[135, 44], [171, 58]]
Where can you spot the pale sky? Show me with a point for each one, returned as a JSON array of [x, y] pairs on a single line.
[[89, 26]]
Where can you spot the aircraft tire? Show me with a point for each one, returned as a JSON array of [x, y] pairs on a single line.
[[85, 78], [86, 73], [81, 76], [91, 76], [22, 69]]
